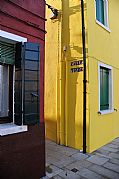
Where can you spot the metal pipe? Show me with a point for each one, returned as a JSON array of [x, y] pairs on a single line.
[[84, 76]]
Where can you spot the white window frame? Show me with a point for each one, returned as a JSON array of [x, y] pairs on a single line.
[[111, 108], [106, 16], [11, 128]]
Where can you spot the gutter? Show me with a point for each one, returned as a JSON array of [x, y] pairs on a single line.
[[84, 76]]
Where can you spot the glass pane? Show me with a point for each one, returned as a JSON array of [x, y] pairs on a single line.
[[4, 91], [100, 11], [104, 89], [7, 53]]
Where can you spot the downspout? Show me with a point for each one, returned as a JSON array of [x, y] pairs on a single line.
[[84, 76]]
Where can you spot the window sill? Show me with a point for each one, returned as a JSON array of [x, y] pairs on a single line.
[[106, 28], [10, 128], [106, 111]]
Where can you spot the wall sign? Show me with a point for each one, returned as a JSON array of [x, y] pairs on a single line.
[[77, 69], [74, 70], [80, 62]]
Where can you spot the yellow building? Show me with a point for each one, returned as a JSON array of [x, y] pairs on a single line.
[[65, 68]]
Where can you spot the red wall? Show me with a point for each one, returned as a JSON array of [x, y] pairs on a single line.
[[27, 19], [22, 155]]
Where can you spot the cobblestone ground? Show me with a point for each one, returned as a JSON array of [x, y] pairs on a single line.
[[64, 162]]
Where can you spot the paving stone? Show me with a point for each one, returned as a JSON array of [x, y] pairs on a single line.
[[58, 156], [116, 140], [52, 170], [74, 165], [89, 174], [104, 156], [60, 159], [112, 166], [68, 151], [104, 172], [79, 156], [57, 177], [79, 165], [69, 174], [113, 146], [109, 149], [115, 161], [104, 152], [97, 160], [62, 163], [115, 143], [51, 160], [114, 155]]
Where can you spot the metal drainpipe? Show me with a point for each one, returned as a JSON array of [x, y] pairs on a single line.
[[84, 76]]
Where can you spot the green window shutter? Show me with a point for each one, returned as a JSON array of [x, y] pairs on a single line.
[[104, 88], [7, 53], [18, 85], [27, 84], [100, 11]]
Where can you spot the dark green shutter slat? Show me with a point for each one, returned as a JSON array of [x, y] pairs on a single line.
[[104, 88], [27, 83], [7, 53], [31, 84]]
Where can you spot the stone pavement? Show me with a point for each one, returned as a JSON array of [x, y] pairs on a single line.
[[64, 162]]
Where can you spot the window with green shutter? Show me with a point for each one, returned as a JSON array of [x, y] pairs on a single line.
[[104, 88], [20, 83]]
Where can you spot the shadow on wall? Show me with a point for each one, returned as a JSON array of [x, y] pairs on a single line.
[[72, 83], [51, 129], [71, 95]]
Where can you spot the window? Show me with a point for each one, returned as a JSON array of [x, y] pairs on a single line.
[[105, 88], [6, 81], [19, 83], [102, 11], [7, 73]]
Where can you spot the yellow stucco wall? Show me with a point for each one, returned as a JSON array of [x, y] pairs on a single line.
[[63, 89], [53, 55], [103, 46]]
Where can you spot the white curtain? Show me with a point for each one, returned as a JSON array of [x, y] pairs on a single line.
[[4, 91]]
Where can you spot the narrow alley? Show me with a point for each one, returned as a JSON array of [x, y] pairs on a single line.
[[65, 162]]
